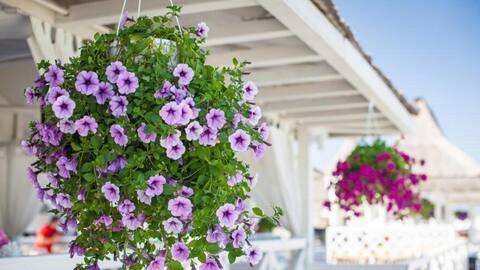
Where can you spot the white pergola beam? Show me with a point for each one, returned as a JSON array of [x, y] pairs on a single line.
[[312, 106], [107, 12], [325, 89], [324, 120], [261, 57], [312, 27], [294, 74]]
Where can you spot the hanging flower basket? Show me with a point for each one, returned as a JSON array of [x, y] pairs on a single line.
[[138, 140], [377, 174]]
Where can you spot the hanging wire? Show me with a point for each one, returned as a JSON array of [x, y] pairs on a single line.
[[177, 19], [368, 124], [121, 15], [139, 8]]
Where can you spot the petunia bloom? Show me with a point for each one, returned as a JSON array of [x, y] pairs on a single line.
[[131, 222], [239, 140], [176, 150], [106, 220], [254, 115], [155, 185], [252, 180], [85, 125], [143, 197], [170, 113], [114, 70], [63, 107], [66, 126], [87, 82], [145, 137], [184, 74], [104, 92], [264, 131], [157, 264], [180, 207], [164, 91], [235, 179], [202, 30], [29, 95], [54, 75], [254, 255], [64, 200], [216, 119], [173, 225], [239, 236], [185, 113], [127, 83], [208, 136], [180, 252], [227, 215], [216, 235], [250, 90], [126, 207], [258, 150], [193, 131], [171, 139], [56, 92], [66, 166], [118, 135], [118, 106], [210, 264], [111, 192]]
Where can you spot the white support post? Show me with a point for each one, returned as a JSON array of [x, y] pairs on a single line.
[[305, 176]]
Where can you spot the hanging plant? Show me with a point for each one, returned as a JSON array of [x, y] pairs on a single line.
[[377, 174], [138, 140]]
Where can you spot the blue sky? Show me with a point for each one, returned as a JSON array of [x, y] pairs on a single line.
[[429, 49]]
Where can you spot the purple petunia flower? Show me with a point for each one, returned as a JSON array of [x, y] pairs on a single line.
[[63, 107], [104, 92], [254, 255], [227, 215], [54, 75], [176, 151], [143, 197], [216, 235], [131, 222], [85, 125], [127, 83], [32, 176], [240, 205], [193, 131], [87, 82], [184, 74], [180, 252], [237, 118], [56, 92], [164, 91], [173, 225], [186, 192], [171, 139], [194, 109], [186, 113], [118, 135], [252, 180], [65, 166], [145, 137], [180, 207], [254, 114], [66, 126], [53, 180], [106, 220], [235, 179], [75, 250], [239, 140], [208, 136], [216, 119], [81, 196], [126, 207], [258, 150], [264, 131], [117, 164], [170, 113], [250, 90], [210, 264], [118, 106], [157, 264], [239, 236], [111, 192], [29, 95], [155, 185], [114, 70], [27, 147], [202, 30], [64, 200]]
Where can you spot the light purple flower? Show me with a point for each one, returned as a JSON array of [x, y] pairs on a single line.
[[239, 236], [176, 151], [184, 74], [235, 179], [86, 124], [63, 107], [239, 140], [126, 207], [32, 176], [53, 180], [118, 106], [155, 185], [131, 222], [250, 90], [117, 164], [237, 118], [72, 225], [208, 136], [106, 220], [216, 235], [254, 255], [127, 83], [252, 180], [180, 207], [258, 150], [210, 264], [27, 147], [193, 131], [216, 119], [104, 92], [56, 92], [65, 166], [170, 113], [54, 75], [171, 139], [87, 82], [180, 252], [111, 192], [64, 200], [81, 196], [66, 126], [240, 205], [202, 30], [157, 264], [118, 135], [264, 131], [114, 70], [186, 192], [185, 113], [123, 20], [164, 91], [254, 114], [173, 225], [145, 137], [143, 197], [29, 95], [227, 215]]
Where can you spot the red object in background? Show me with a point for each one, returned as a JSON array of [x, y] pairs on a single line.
[[45, 237]]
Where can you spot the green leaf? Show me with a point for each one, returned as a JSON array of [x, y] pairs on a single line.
[[257, 211]]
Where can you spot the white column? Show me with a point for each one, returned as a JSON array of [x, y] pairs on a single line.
[[305, 176]]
